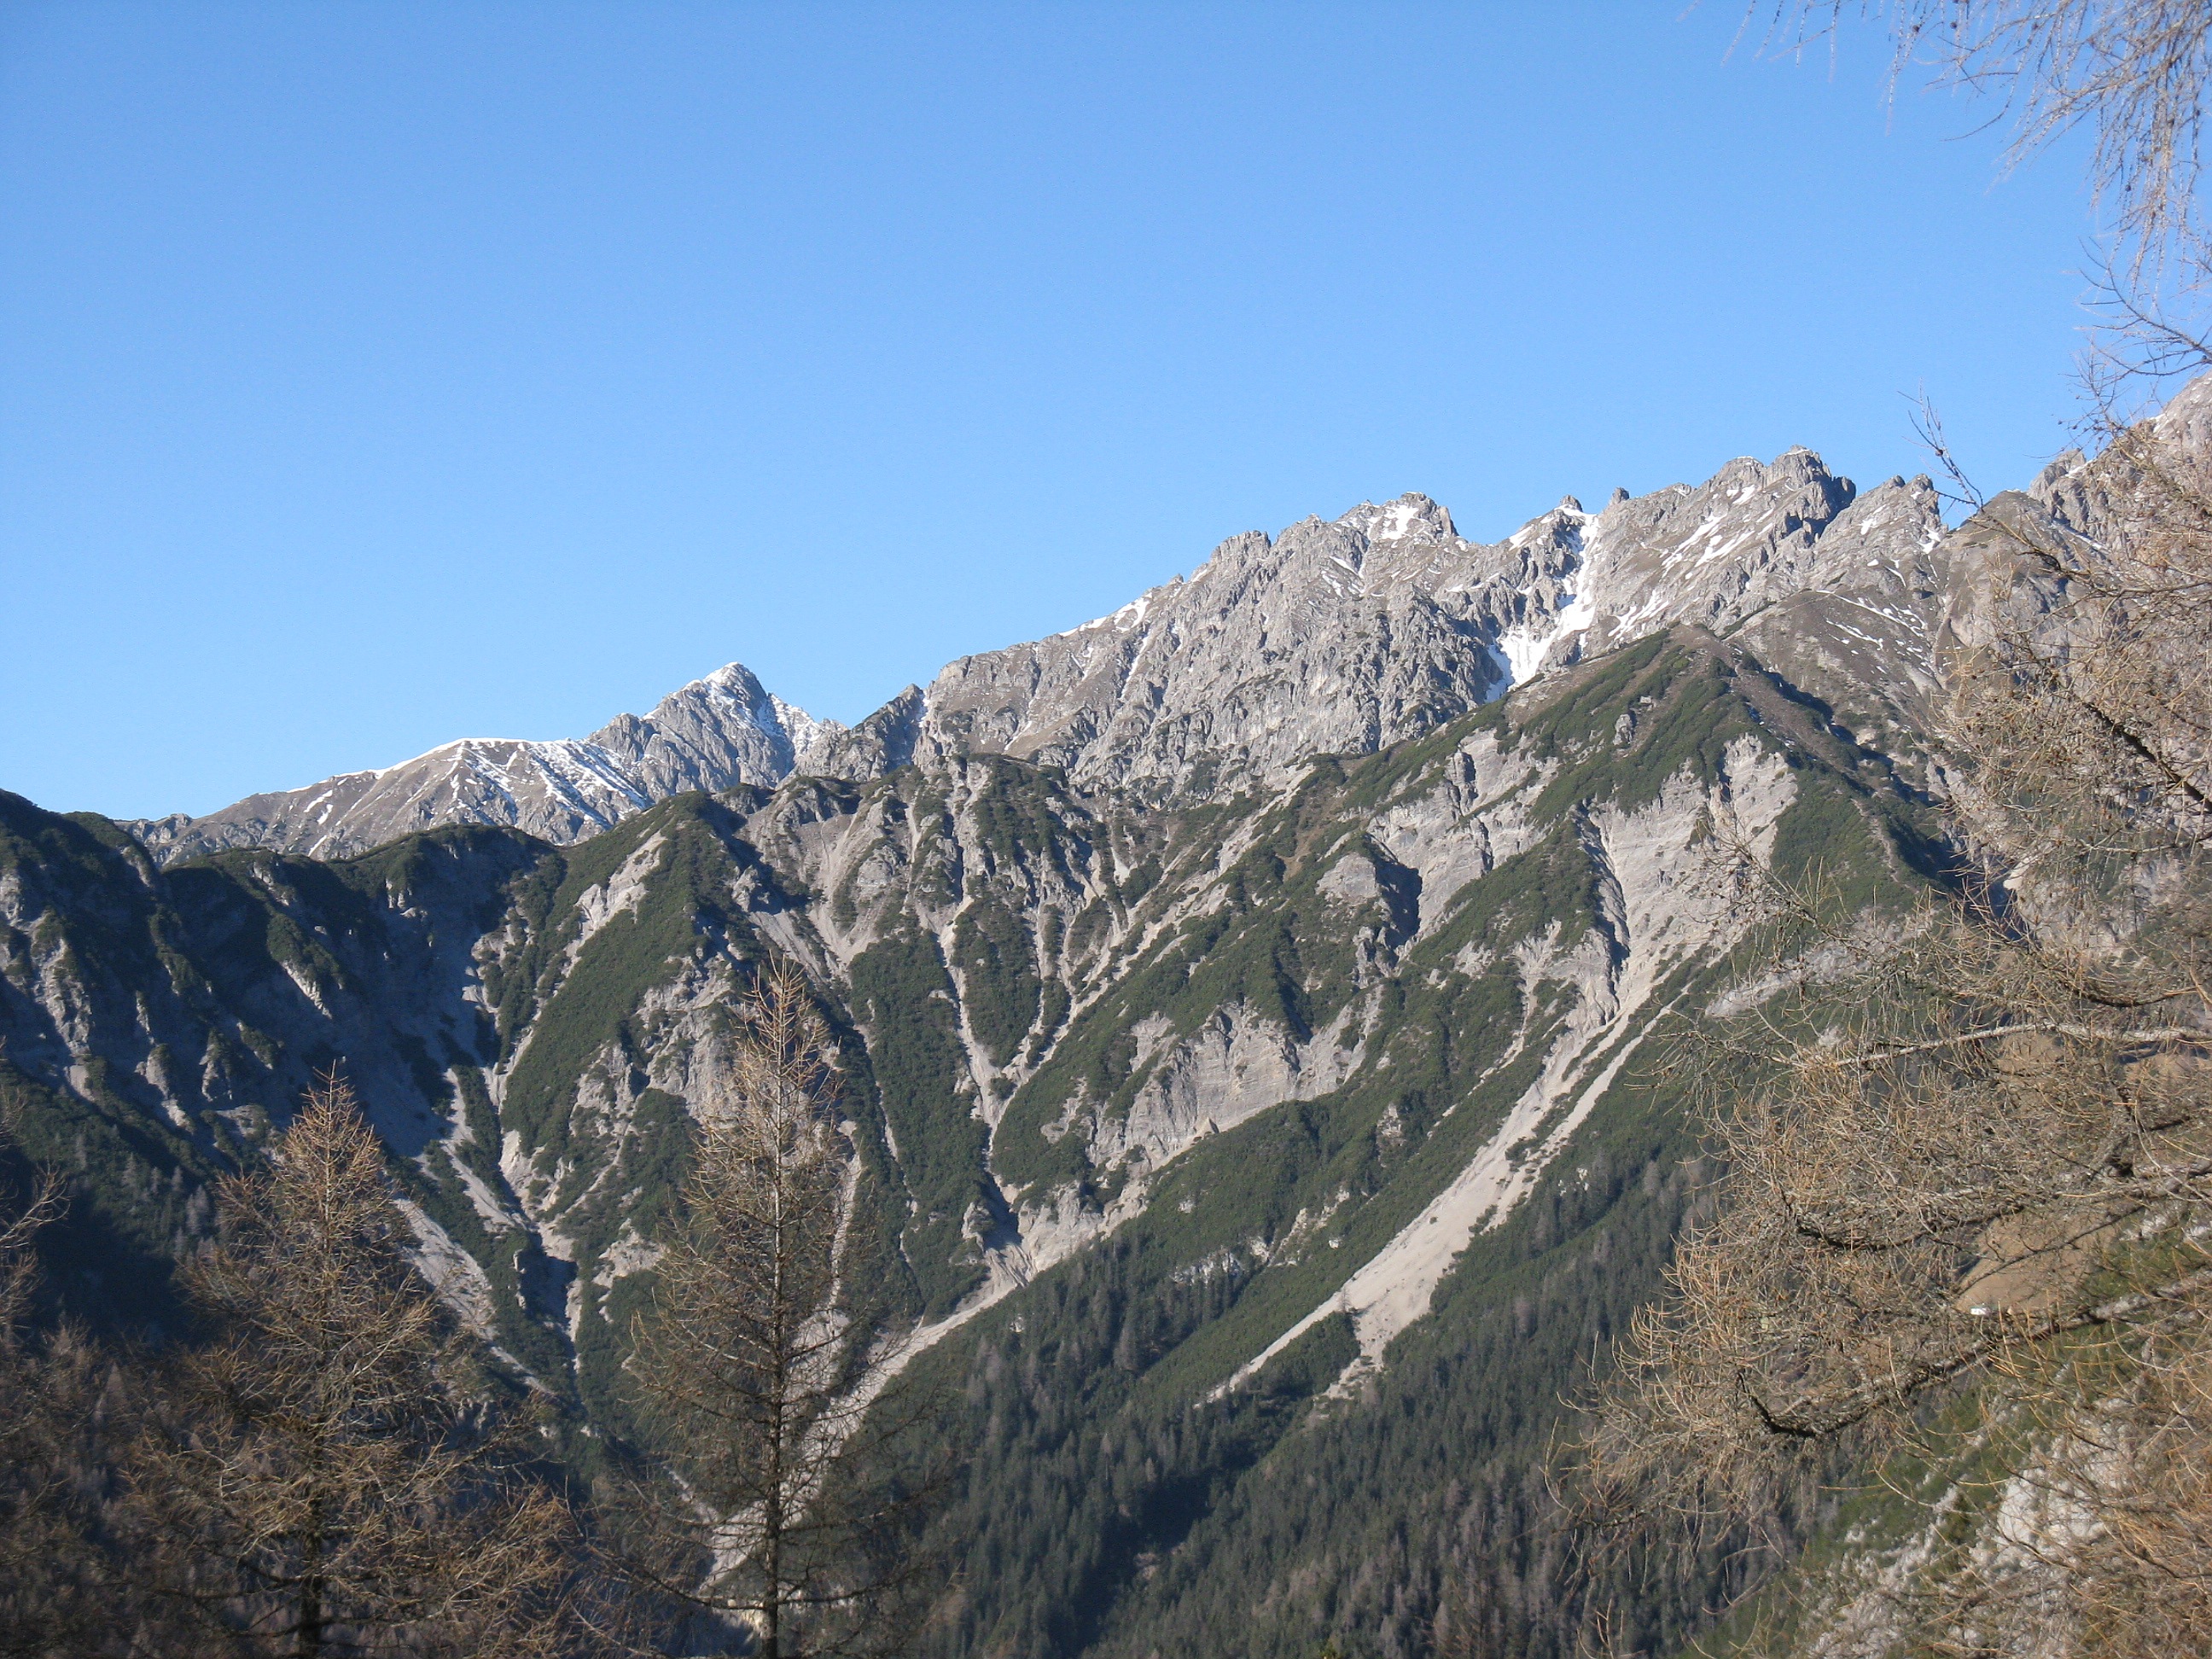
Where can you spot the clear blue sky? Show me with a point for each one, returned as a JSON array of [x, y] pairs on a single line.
[[377, 375]]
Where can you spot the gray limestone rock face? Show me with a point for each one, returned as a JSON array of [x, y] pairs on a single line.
[[1747, 537], [1315, 643], [2011, 567], [1345, 636], [880, 744], [723, 730], [1863, 631]]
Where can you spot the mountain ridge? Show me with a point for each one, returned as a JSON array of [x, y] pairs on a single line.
[[1337, 635], [720, 732]]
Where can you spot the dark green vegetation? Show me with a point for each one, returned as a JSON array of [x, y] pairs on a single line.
[[1113, 1515], [900, 990], [1187, 1071]]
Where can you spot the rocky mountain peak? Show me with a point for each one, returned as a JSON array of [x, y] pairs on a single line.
[[1411, 518], [2186, 419], [723, 729], [1343, 635], [717, 732]]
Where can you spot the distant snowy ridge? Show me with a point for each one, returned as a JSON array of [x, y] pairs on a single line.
[[716, 733]]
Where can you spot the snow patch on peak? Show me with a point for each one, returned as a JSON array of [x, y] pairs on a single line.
[[1567, 515], [1524, 649], [732, 679], [461, 752], [806, 734], [1127, 616]]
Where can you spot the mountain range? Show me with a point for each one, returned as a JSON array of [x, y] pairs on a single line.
[[1253, 1007]]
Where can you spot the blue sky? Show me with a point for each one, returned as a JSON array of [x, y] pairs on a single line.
[[377, 375]]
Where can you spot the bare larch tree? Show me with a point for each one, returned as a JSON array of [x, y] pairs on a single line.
[[768, 1370], [50, 1575], [1969, 1146], [1968, 1140], [327, 1477], [2132, 72]]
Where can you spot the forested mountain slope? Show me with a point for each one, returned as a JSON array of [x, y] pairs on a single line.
[[1185, 1112]]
